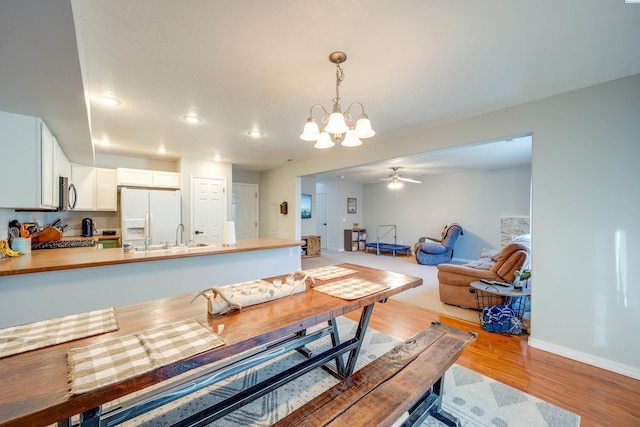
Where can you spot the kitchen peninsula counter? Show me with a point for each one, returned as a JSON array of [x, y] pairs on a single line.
[[69, 258], [50, 283]]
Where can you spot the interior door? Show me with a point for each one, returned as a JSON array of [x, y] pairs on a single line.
[[207, 209], [245, 210], [321, 218]]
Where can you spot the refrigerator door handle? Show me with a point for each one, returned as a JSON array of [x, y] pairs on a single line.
[[147, 228]]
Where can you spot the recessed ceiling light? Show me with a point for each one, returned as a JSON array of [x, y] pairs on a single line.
[[255, 133], [109, 100], [217, 158], [162, 150], [191, 119]]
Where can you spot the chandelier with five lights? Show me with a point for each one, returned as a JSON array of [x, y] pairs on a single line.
[[337, 125]]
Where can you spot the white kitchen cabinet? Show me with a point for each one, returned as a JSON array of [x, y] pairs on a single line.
[[148, 178], [166, 179], [135, 177], [96, 187], [106, 190], [64, 166], [61, 167], [28, 169], [47, 166], [84, 179]]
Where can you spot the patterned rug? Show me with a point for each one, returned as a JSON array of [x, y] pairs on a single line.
[[475, 399]]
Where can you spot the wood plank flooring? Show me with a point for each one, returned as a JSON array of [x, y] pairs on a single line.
[[600, 397]]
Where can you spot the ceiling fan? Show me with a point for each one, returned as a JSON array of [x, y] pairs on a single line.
[[395, 179]]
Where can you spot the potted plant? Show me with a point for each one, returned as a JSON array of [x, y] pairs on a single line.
[[522, 278]]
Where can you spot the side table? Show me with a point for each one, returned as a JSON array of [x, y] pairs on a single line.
[[489, 295]]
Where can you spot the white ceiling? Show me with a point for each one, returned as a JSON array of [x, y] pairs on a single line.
[[255, 64], [489, 155]]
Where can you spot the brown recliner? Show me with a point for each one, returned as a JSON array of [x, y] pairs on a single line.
[[455, 280]]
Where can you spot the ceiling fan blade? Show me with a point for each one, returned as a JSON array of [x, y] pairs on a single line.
[[409, 180]]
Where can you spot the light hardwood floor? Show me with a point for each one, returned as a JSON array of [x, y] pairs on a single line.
[[600, 397]]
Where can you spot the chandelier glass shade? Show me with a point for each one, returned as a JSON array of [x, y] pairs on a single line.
[[337, 125]]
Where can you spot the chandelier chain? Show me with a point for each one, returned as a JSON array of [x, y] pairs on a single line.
[[339, 79]]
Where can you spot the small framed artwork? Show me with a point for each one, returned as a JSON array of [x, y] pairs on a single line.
[[352, 205], [305, 206]]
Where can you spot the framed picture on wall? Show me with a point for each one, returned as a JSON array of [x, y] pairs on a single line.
[[352, 206], [305, 206]]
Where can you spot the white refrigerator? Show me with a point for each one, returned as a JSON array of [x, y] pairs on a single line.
[[149, 214]]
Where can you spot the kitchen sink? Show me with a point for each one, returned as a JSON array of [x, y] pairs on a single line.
[[169, 248], [150, 248]]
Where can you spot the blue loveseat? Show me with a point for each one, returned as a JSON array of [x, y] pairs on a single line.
[[430, 251]]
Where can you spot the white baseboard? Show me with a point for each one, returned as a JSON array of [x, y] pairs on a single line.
[[609, 365]]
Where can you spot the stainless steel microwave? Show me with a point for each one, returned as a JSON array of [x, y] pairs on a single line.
[[68, 195]]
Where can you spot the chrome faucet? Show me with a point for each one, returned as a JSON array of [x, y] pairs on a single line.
[[180, 227]]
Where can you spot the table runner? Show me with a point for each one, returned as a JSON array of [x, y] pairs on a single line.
[[22, 338], [352, 288], [105, 363], [329, 272]]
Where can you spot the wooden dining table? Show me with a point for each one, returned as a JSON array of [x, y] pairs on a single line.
[[34, 390]]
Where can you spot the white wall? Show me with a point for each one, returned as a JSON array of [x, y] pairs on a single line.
[[585, 223], [476, 200], [308, 225], [277, 186], [242, 176], [586, 295], [111, 161]]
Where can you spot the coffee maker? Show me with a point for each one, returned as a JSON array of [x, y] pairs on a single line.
[[87, 227]]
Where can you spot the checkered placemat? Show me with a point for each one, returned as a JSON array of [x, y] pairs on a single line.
[[18, 339], [124, 357], [352, 288], [329, 272]]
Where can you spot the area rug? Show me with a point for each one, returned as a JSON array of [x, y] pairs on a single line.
[[475, 399]]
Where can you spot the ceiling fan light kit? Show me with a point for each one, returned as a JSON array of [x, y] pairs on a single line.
[[338, 126], [395, 184], [396, 180]]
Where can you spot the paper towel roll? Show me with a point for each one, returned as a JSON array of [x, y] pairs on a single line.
[[229, 234]]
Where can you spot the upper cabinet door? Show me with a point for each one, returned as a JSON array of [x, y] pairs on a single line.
[[166, 179], [148, 178], [84, 178], [106, 190], [47, 182], [135, 177]]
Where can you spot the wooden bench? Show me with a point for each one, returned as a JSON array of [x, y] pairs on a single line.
[[406, 382]]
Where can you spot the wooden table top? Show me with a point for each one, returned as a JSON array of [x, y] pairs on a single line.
[[34, 389], [69, 258]]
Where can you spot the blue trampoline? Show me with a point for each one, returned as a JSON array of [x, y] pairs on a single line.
[[387, 247]]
